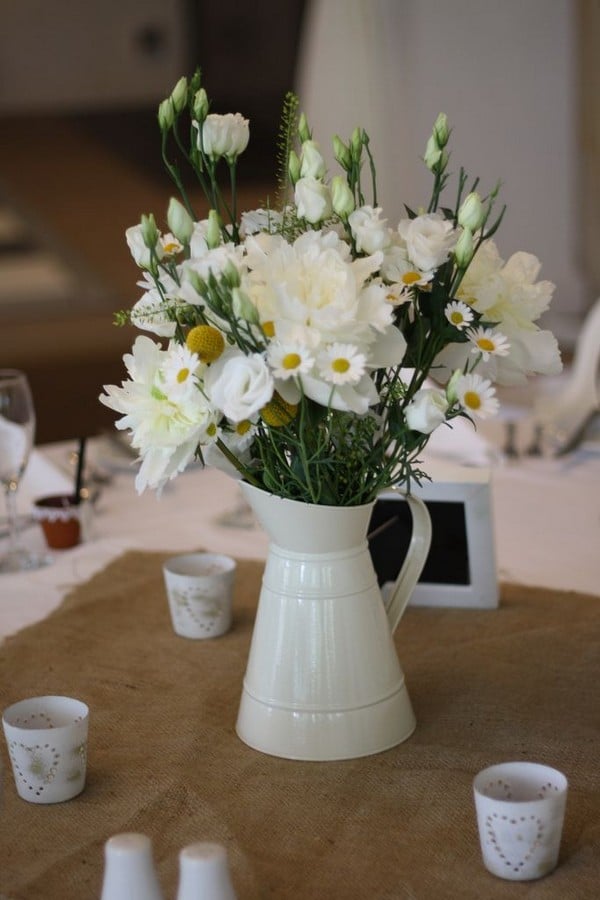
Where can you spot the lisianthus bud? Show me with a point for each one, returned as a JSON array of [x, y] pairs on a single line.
[[149, 231], [451, 395], [200, 107], [231, 275], [213, 231], [312, 163], [166, 115], [313, 200], [441, 130], [433, 154], [341, 197], [179, 95], [356, 142], [341, 152], [464, 250], [303, 129], [226, 135], [243, 307], [179, 220], [471, 213], [294, 167]]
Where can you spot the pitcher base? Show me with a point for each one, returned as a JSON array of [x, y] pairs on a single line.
[[323, 736]]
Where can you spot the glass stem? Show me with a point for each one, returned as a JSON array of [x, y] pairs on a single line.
[[11, 515]]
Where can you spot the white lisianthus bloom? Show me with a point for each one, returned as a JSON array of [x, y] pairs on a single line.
[[313, 200], [356, 398], [312, 163], [256, 220], [150, 313], [214, 261], [223, 135], [426, 410], [138, 249], [429, 240], [397, 268], [239, 385], [166, 426], [369, 230], [476, 396]]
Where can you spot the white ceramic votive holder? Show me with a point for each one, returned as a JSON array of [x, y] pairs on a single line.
[[200, 593], [47, 745], [520, 812], [204, 872]]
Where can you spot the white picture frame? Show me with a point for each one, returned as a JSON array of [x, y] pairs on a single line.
[[471, 489]]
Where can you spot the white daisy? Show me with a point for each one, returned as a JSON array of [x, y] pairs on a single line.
[[488, 342], [341, 364], [171, 246], [458, 314], [288, 360], [476, 395], [179, 368]]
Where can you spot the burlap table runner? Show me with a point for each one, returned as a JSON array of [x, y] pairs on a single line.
[[517, 683]]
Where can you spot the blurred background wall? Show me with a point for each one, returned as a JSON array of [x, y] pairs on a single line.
[[80, 161], [506, 74]]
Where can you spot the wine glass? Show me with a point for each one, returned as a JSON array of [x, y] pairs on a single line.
[[17, 428]]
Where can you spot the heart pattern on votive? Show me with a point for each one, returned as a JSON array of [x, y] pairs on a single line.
[[35, 766], [203, 611], [526, 831]]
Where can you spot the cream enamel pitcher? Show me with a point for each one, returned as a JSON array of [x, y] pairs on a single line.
[[323, 680]]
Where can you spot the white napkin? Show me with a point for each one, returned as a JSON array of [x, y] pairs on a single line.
[[41, 478]]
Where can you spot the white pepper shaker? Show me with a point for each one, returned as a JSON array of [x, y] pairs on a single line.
[[129, 872], [204, 873]]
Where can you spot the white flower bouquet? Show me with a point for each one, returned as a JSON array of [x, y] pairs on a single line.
[[312, 348]]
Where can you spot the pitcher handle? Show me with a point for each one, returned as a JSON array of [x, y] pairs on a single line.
[[416, 557]]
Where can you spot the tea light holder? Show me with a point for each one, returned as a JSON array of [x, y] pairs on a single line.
[[520, 811]]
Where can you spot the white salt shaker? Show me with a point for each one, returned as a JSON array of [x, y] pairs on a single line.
[[129, 872], [204, 873]]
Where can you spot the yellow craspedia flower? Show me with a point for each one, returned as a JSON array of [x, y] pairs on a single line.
[[206, 341], [278, 412]]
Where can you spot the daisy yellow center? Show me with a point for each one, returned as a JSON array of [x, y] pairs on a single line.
[[243, 427], [269, 329], [206, 341], [340, 365], [171, 247], [278, 412], [411, 277], [291, 361], [183, 375], [457, 318], [472, 400], [486, 345], [211, 430]]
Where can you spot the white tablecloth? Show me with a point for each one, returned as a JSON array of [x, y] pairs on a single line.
[[546, 521]]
